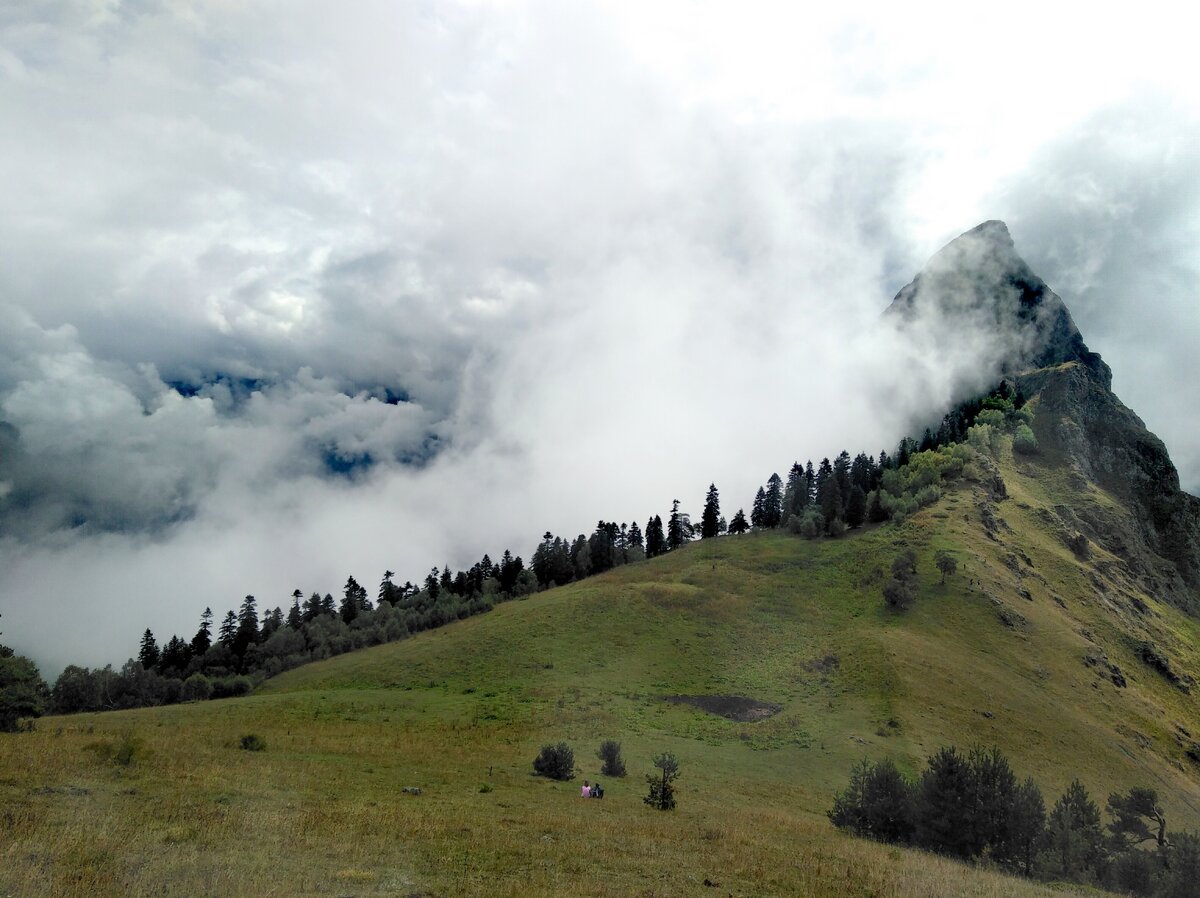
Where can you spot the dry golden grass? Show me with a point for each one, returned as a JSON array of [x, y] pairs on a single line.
[[323, 814]]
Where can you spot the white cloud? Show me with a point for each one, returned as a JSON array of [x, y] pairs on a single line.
[[540, 264]]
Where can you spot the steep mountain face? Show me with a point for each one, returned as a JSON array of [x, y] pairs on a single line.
[[978, 287]]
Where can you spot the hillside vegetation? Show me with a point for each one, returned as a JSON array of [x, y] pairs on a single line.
[[1023, 647]]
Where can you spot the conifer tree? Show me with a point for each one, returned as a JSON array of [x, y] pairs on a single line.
[[1027, 823], [601, 548], [175, 656], [943, 814], [841, 473], [758, 511], [662, 789], [542, 560], [710, 519], [148, 653], [876, 513], [581, 557], [229, 627], [634, 539], [295, 616], [739, 524], [203, 638], [856, 507], [387, 589], [795, 494], [656, 540], [432, 587], [1075, 839], [247, 626], [829, 497], [679, 527], [354, 597], [773, 502]]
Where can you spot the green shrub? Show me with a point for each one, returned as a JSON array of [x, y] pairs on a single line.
[[229, 687], [123, 752], [610, 754], [196, 688], [662, 788], [811, 524], [252, 742], [899, 594], [1024, 441], [556, 762], [990, 417]]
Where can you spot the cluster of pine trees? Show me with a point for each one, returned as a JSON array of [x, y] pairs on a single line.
[[826, 499], [971, 806]]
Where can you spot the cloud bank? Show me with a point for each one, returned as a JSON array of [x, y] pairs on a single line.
[[296, 292]]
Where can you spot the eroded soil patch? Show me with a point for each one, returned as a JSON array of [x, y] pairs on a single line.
[[732, 707]]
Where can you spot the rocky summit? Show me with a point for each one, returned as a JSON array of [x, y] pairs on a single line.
[[979, 286]]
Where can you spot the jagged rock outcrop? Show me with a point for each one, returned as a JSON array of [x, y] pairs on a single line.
[[977, 285], [978, 288]]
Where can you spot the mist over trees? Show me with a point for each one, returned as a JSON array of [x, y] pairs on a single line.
[[822, 500]]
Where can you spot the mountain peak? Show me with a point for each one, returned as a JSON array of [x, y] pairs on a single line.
[[978, 287]]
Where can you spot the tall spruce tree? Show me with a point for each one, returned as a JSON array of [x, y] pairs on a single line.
[[679, 527], [148, 652], [758, 511], [353, 597], [739, 524], [856, 507], [1075, 841], [228, 629], [656, 540], [944, 817], [203, 638], [829, 497], [387, 589], [247, 626], [295, 618], [773, 502], [795, 495], [710, 519], [841, 473]]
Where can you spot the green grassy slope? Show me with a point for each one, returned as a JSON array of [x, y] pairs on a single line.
[[460, 712]]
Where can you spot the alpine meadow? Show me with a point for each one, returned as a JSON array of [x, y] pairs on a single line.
[[597, 448], [1013, 591]]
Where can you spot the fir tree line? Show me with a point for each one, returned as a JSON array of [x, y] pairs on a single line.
[[826, 499], [972, 807]]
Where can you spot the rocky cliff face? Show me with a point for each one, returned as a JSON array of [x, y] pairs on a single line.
[[978, 287]]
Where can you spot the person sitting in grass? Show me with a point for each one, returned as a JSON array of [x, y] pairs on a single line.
[[597, 790], [586, 790]]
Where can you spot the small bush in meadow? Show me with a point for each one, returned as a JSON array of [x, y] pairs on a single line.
[[556, 762], [610, 754], [196, 688], [252, 742], [122, 753], [229, 687]]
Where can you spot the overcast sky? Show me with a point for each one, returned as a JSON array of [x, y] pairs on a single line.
[[293, 291]]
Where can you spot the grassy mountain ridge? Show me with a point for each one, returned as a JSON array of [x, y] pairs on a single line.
[[1024, 647]]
